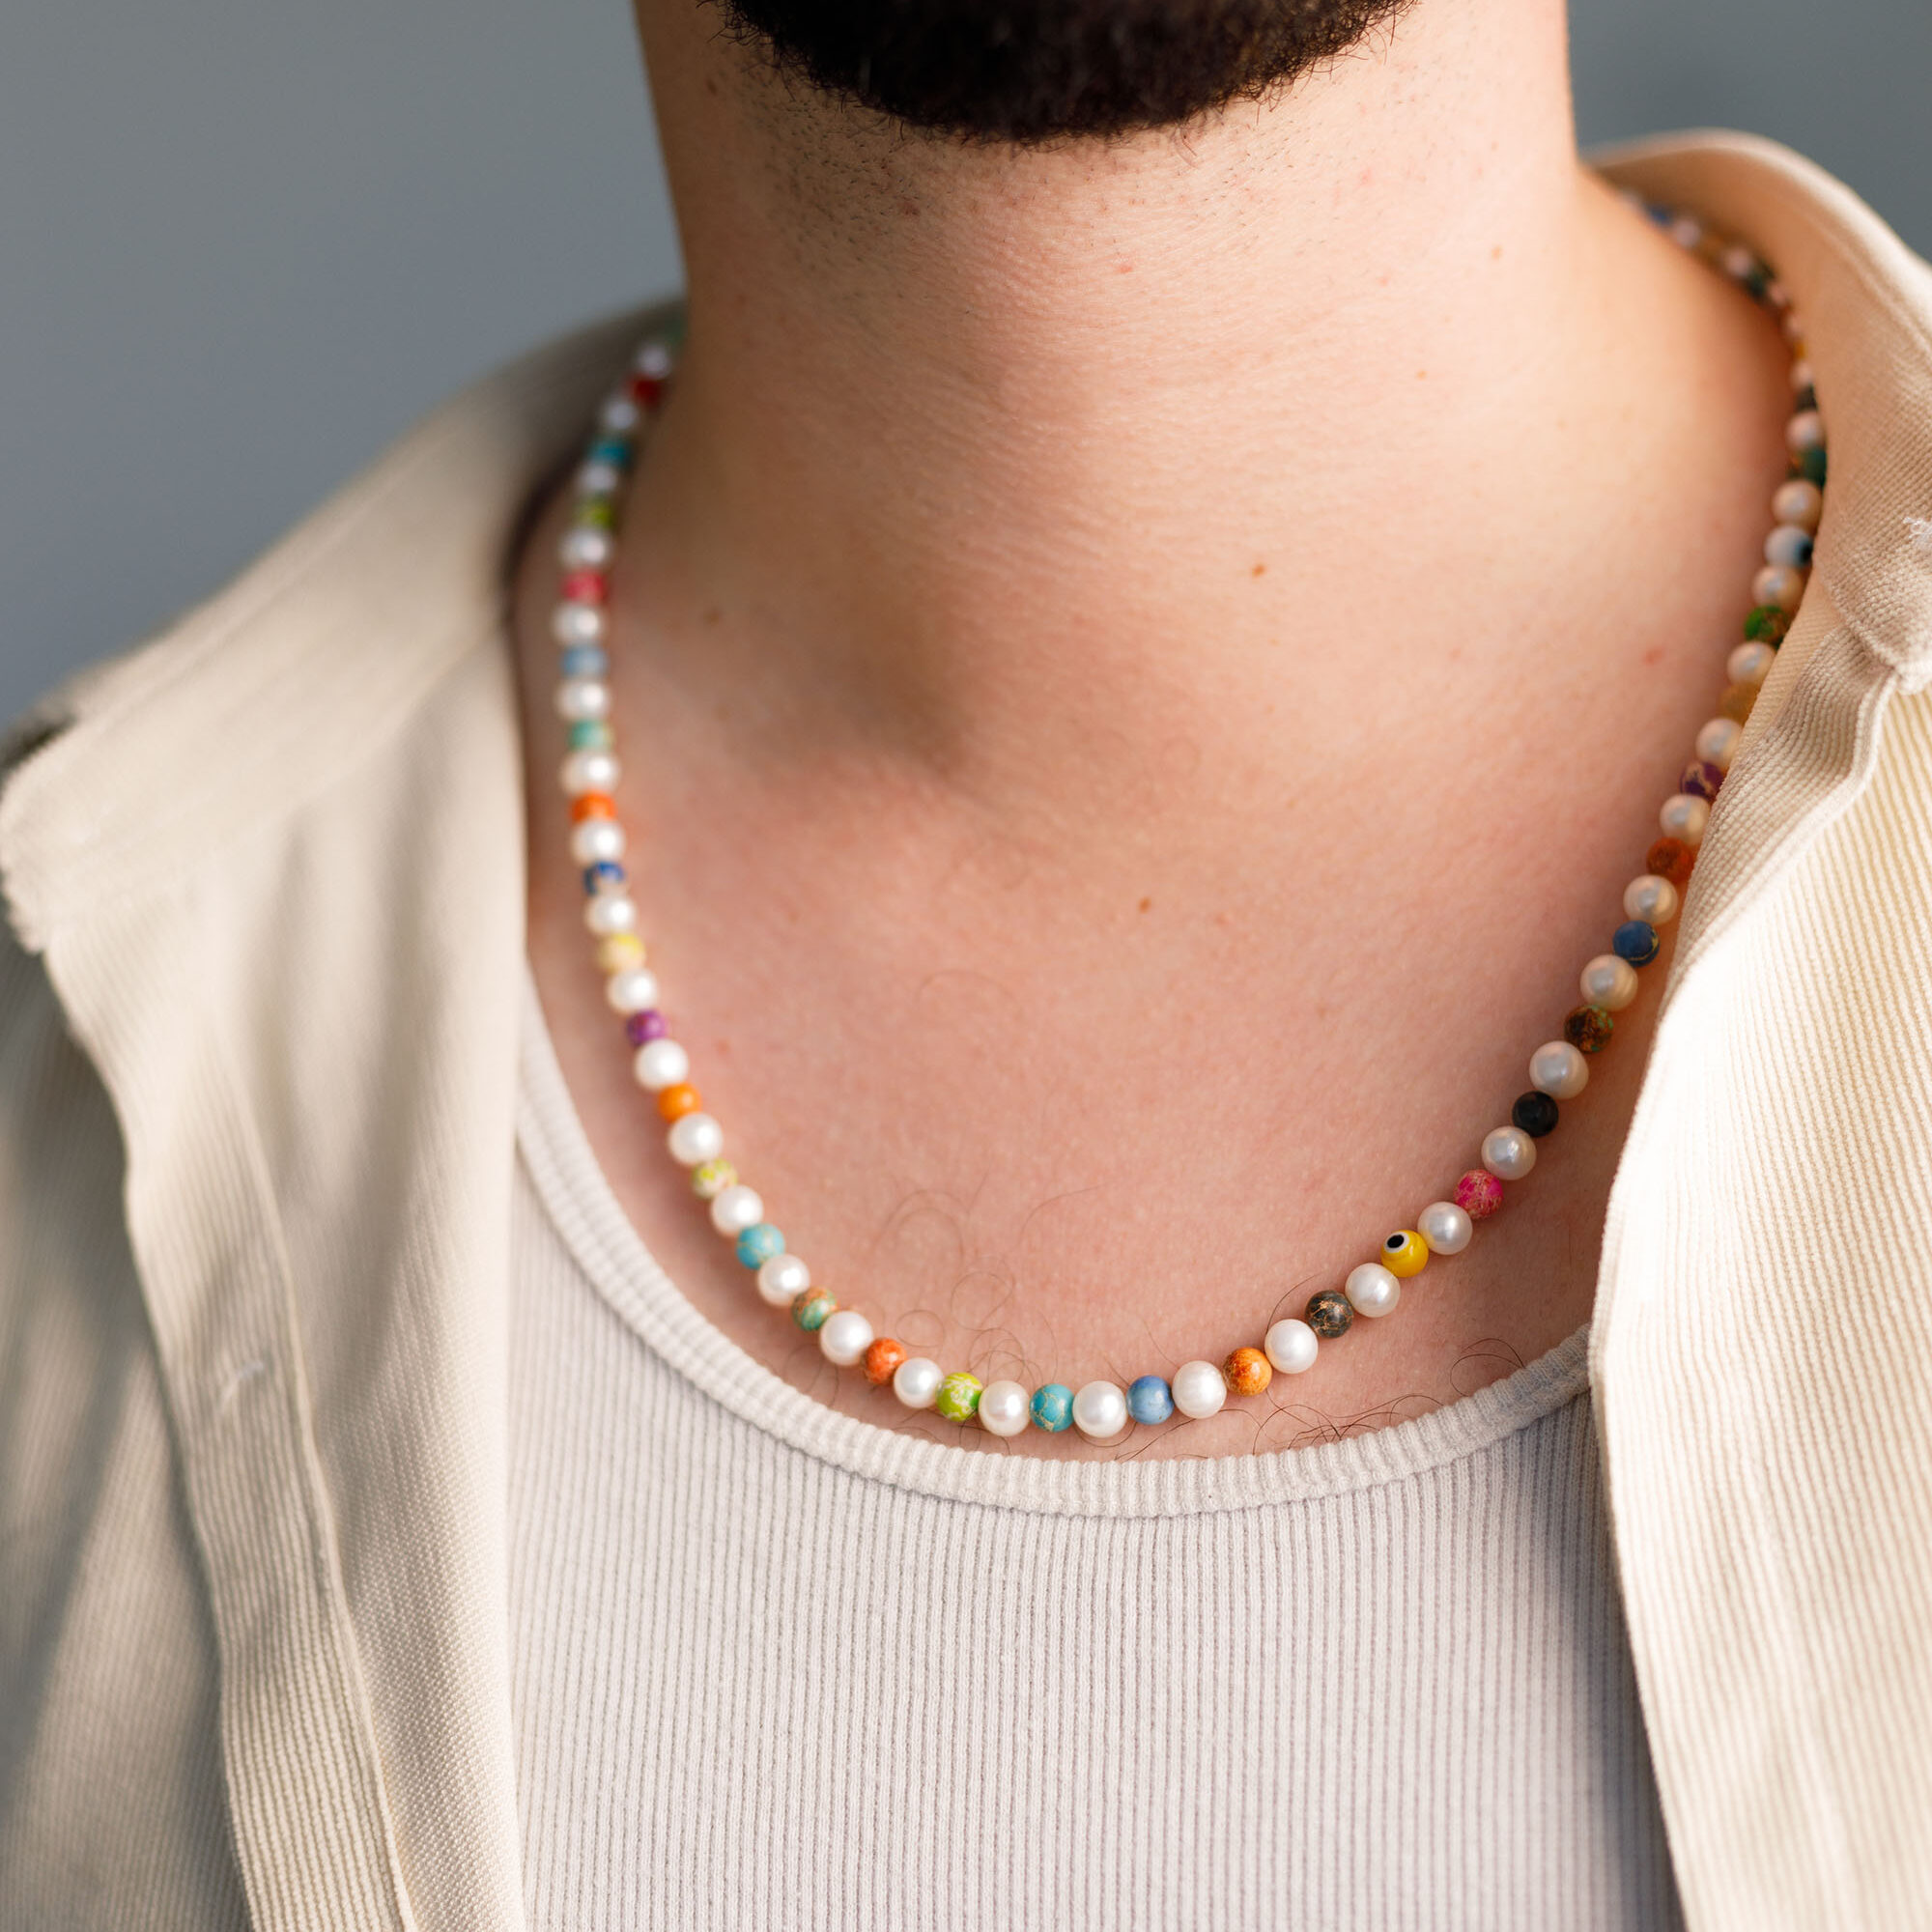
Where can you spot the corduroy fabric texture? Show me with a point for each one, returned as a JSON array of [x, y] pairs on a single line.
[[755, 1688], [255, 1217]]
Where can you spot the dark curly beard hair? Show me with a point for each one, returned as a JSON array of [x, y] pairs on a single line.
[[1034, 71]]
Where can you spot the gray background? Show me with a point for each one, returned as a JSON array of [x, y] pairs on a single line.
[[243, 244]]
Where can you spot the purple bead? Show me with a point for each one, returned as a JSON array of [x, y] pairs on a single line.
[[643, 1028], [1700, 780]]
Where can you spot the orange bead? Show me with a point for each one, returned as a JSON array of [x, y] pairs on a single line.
[[1671, 859], [675, 1102], [592, 805], [881, 1360], [1247, 1372]]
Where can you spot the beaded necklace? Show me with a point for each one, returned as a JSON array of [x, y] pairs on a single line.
[[1559, 1070]]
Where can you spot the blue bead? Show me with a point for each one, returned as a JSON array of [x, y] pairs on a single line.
[[583, 661], [1052, 1407], [1635, 942], [760, 1245], [601, 877], [1149, 1398], [613, 450]]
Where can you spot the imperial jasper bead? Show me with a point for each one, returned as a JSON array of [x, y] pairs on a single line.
[[1767, 624], [619, 953], [1700, 778], [759, 1243], [1445, 1227], [959, 1396], [1478, 1194], [1535, 1113], [1372, 1290], [1671, 859], [1149, 1400], [640, 1029], [601, 877], [709, 1179], [1052, 1407], [584, 586], [1330, 1314], [590, 734], [813, 1309], [582, 660], [1405, 1253], [1291, 1345], [1200, 1390], [1248, 1371], [1737, 701], [881, 1361], [1636, 941], [1588, 1029]]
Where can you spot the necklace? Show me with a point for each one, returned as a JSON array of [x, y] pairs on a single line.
[[1559, 1070]]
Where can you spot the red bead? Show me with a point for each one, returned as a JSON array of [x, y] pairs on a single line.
[[647, 391], [585, 587], [591, 805], [1478, 1194]]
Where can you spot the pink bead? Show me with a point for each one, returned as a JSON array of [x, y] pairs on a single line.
[[1478, 1194], [584, 586]]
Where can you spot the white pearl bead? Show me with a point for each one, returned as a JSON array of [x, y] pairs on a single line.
[[1508, 1153], [606, 913], [654, 360], [584, 546], [660, 1063], [1792, 324], [1804, 431], [1749, 664], [843, 1337], [597, 842], [589, 771], [578, 624], [583, 699], [780, 1277], [1801, 378], [1199, 1389], [618, 416], [1099, 1411], [1555, 1068], [1652, 899], [1798, 501], [1737, 262], [1004, 1408], [693, 1139], [634, 991], [1685, 817], [1780, 585], [1372, 1290], [1445, 1227], [1291, 1345], [1687, 231], [1717, 742], [598, 479], [737, 1208], [1789, 545], [1610, 982], [916, 1381]]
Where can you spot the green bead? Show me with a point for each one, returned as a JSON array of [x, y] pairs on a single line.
[[811, 1308], [1766, 625], [596, 513], [959, 1398], [591, 734], [1811, 466]]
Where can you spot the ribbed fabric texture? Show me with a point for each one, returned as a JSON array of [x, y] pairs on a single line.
[[755, 1688]]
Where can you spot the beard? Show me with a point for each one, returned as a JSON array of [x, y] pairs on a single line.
[[1030, 71]]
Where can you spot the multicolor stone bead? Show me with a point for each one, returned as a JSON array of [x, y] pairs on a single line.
[[1247, 1372], [1478, 1194], [1328, 1314], [1052, 1406], [1671, 859], [1588, 1029], [758, 1243], [709, 1179], [881, 1361], [810, 1308], [1636, 941], [959, 1396]]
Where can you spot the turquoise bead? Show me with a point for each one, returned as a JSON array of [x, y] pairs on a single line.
[[613, 450], [1149, 1398], [583, 661], [1052, 1407], [758, 1244], [591, 734]]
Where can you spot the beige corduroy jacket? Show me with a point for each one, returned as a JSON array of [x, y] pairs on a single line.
[[258, 1031]]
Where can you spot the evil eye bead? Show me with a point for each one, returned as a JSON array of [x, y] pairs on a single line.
[[1405, 1253]]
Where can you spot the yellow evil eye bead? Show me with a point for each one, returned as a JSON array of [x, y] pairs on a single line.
[[619, 953], [1405, 1253]]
